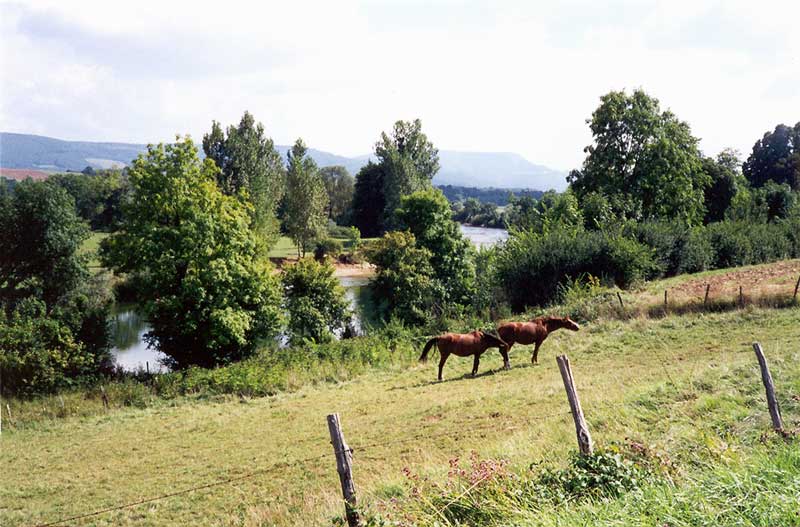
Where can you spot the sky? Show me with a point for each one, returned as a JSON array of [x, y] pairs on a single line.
[[482, 76]]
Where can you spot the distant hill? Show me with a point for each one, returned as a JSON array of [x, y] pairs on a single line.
[[466, 169]]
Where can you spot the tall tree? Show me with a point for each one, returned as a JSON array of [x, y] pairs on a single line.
[[369, 202], [339, 185], [315, 301], [775, 157], [409, 162], [426, 214], [250, 168], [206, 292], [644, 159], [725, 182], [306, 199]]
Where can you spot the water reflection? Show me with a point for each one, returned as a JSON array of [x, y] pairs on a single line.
[[129, 348]]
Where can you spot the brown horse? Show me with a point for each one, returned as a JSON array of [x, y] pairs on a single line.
[[533, 332], [464, 345]]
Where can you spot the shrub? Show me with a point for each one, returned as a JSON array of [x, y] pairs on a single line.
[[531, 266], [315, 301], [678, 249], [327, 247], [730, 244]]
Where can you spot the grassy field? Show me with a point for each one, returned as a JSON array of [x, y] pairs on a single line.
[[90, 247], [687, 385]]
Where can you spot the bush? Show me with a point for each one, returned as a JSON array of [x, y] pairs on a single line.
[[327, 247], [678, 249], [531, 266], [38, 353], [315, 301]]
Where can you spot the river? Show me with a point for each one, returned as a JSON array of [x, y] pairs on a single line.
[[128, 327]]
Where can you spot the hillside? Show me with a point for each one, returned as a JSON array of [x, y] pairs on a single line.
[[468, 169]]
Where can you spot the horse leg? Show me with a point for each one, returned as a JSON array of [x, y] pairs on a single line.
[[535, 356], [504, 353], [475, 364], [442, 360]]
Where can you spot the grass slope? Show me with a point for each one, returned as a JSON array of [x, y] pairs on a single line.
[[687, 385]]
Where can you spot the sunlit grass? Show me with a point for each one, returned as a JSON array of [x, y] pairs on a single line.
[[689, 385]]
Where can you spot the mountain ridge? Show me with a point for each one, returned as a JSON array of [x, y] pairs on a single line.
[[461, 168]]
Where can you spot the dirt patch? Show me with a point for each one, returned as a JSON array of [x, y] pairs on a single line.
[[772, 277], [341, 269]]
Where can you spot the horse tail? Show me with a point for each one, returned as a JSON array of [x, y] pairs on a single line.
[[426, 349]]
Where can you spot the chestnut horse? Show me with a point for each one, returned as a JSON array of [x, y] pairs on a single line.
[[464, 345], [533, 332]]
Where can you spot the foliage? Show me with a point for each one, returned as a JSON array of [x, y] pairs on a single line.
[[327, 247], [553, 210], [405, 285], [340, 186], [532, 265], [369, 201], [205, 291], [678, 249], [496, 196], [315, 301], [306, 201], [251, 169], [646, 157], [473, 212], [409, 162], [426, 214], [775, 157], [98, 195], [39, 352], [41, 235], [725, 182]]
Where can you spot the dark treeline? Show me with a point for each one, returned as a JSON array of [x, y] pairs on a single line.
[[497, 196], [190, 238]]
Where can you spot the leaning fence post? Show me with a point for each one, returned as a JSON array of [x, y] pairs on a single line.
[[344, 465], [705, 299], [581, 429], [621, 305], [796, 287], [772, 401]]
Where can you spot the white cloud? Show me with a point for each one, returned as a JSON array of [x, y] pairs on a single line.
[[522, 78]]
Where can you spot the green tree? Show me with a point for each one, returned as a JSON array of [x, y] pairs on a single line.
[[206, 293], [250, 168], [404, 286], [306, 199], [775, 157], [725, 182], [315, 301], [340, 186], [644, 159], [550, 211], [369, 202], [53, 315], [40, 236], [97, 194], [426, 214], [409, 162]]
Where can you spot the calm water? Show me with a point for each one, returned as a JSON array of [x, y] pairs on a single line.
[[128, 327], [484, 237]]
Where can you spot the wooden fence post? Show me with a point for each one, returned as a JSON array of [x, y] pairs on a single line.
[[772, 402], [741, 297], [705, 299], [796, 287], [665, 300], [344, 465], [619, 297], [584, 437]]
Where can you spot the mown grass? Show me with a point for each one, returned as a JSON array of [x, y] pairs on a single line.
[[686, 385], [91, 247]]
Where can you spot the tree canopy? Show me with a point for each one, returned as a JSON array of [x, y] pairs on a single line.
[[250, 168], [339, 185], [306, 199], [206, 293], [775, 157], [645, 160]]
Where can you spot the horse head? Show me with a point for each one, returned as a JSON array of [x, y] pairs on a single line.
[[570, 324], [492, 341]]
